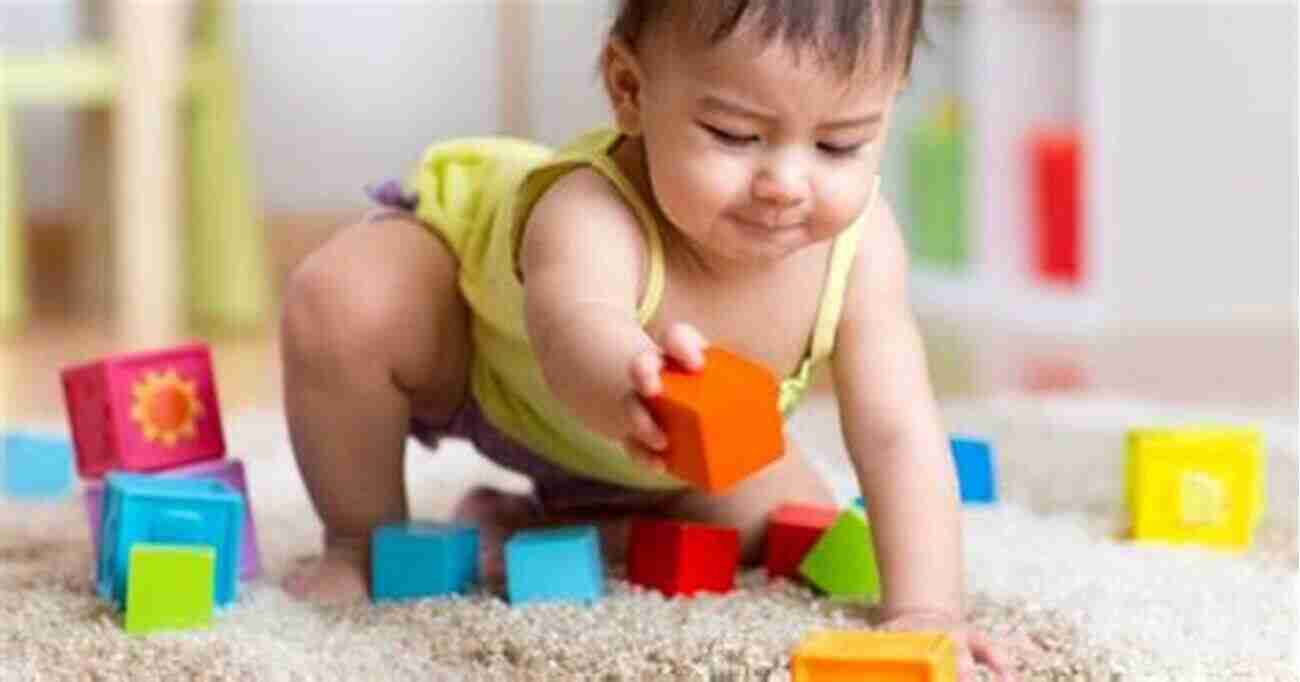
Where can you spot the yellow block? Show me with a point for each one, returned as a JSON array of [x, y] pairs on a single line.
[[853, 655], [1196, 485]]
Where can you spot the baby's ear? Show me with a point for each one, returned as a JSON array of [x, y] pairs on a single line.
[[624, 81]]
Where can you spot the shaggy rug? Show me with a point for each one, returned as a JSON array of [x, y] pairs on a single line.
[[1046, 572]]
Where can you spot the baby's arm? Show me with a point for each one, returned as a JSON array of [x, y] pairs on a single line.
[[893, 432], [583, 260]]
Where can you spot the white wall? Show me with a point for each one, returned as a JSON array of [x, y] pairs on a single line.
[[1193, 116], [337, 93]]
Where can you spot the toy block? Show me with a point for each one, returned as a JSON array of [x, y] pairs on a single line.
[[843, 562], [852, 655], [1195, 485], [1056, 167], [144, 411], [975, 472], [35, 467], [554, 564], [792, 530], [170, 587], [682, 558], [413, 559], [723, 422], [228, 471], [172, 511]]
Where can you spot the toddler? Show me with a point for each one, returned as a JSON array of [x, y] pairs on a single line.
[[527, 299]]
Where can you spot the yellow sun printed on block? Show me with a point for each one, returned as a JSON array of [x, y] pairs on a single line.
[[166, 407]]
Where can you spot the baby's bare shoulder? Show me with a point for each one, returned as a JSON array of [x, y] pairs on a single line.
[[584, 205], [878, 278], [583, 224]]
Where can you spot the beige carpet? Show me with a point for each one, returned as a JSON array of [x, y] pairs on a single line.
[[1043, 571]]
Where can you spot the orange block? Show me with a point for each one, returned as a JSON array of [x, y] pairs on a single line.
[[723, 422], [844, 655]]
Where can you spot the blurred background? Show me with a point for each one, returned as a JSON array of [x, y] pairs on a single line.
[[1100, 197]]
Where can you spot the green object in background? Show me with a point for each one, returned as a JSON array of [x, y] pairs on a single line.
[[13, 298], [228, 280], [936, 153], [843, 562], [169, 587]]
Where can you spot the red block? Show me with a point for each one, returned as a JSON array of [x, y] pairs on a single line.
[[792, 530], [1057, 210], [144, 411], [682, 558]]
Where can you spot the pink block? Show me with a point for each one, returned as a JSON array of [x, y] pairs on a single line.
[[144, 411], [228, 471]]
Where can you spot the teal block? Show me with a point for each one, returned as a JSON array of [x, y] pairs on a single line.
[[417, 559], [843, 562], [172, 511], [35, 467], [557, 564], [973, 459]]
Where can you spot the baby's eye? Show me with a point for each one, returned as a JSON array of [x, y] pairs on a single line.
[[840, 150], [729, 138]]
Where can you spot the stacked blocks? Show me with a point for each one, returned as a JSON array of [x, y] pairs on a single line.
[[228, 471], [169, 511], [843, 562], [170, 587], [1196, 485], [34, 467], [557, 564], [975, 474], [723, 422], [843, 655], [144, 412], [793, 530], [682, 558], [412, 560]]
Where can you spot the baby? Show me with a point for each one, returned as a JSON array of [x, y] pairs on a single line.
[[527, 300]]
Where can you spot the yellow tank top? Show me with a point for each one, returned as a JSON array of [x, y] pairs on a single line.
[[476, 193]]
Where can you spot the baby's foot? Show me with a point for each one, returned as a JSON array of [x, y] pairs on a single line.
[[497, 515], [338, 577]]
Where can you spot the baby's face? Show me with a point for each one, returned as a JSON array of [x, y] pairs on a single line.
[[754, 153]]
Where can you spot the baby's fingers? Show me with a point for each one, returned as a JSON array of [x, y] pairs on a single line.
[[645, 371], [642, 429], [986, 652], [685, 344]]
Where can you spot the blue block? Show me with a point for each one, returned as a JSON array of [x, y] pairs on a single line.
[[975, 473], [421, 559], [175, 511], [35, 467], [860, 502], [556, 564]]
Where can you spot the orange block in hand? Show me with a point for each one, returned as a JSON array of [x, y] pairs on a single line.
[[723, 422]]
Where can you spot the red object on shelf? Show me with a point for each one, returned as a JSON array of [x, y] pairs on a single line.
[[676, 557], [792, 530], [1057, 211]]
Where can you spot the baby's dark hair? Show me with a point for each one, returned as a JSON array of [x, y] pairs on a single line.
[[837, 32]]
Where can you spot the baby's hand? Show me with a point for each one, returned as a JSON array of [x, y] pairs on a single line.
[[972, 646], [685, 345]]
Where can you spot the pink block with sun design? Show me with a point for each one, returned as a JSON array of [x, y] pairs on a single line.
[[144, 411]]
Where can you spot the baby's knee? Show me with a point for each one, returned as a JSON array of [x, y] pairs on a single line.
[[338, 306]]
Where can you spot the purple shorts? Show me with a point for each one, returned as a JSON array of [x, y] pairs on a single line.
[[556, 490]]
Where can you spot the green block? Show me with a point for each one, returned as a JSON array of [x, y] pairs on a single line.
[[170, 587], [843, 562], [937, 190]]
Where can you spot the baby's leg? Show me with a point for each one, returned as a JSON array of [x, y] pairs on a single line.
[[789, 479], [374, 330]]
